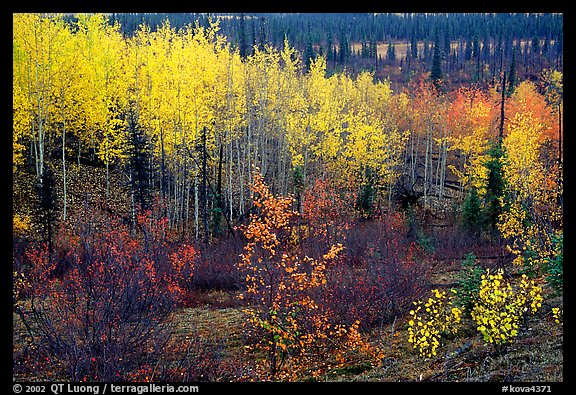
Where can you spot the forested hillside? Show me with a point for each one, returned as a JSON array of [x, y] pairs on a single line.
[[190, 207], [474, 47]]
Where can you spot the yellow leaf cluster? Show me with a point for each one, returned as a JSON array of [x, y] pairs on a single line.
[[430, 321], [558, 314], [20, 224], [500, 308]]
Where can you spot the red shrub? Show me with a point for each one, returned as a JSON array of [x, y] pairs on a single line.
[[100, 304], [381, 272], [328, 211]]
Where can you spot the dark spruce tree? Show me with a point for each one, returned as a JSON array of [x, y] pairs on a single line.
[[446, 51], [391, 53], [254, 43], [468, 51], [139, 159], [373, 48], [242, 39], [47, 209], [413, 46], [436, 72], [263, 33], [329, 48], [426, 51], [472, 213], [309, 54], [365, 202], [494, 189], [345, 51], [512, 74]]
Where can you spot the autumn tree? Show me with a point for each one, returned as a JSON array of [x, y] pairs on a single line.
[[280, 288], [512, 74], [531, 217], [553, 93], [41, 101], [327, 211], [426, 151], [469, 122], [101, 49], [37, 47]]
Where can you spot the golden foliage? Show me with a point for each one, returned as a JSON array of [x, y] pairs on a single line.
[[20, 224], [532, 216], [430, 321], [500, 308], [296, 333]]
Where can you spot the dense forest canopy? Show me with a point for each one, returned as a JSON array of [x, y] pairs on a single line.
[[275, 155], [362, 41]]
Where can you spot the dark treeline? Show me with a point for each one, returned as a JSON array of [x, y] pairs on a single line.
[[474, 47]]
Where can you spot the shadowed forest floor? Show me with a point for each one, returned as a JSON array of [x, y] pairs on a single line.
[[535, 356], [218, 332]]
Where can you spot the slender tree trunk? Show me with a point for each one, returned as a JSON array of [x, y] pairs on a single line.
[[444, 151], [196, 208], [205, 188], [107, 176], [427, 164], [64, 168], [219, 188], [559, 135], [187, 207], [241, 179], [132, 200], [107, 155], [163, 173], [501, 127], [39, 139], [64, 209], [230, 189]]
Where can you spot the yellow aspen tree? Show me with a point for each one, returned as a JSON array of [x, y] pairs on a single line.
[[526, 98], [177, 83], [262, 78], [336, 114], [102, 50], [290, 106], [69, 112], [208, 89], [469, 124], [304, 106], [155, 95], [373, 143], [532, 217], [322, 115], [21, 123], [37, 45], [230, 108], [43, 102]]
